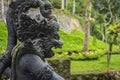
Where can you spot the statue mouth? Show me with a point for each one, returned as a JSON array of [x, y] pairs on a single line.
[[57, 43]]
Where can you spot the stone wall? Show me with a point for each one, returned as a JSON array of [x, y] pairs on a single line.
[[96, 76], [61, 66]]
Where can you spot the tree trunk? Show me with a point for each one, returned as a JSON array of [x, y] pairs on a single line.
[[3, 11], [87, 27], [67, 1], [110, 47], [109, 54], [63, 4], [104, 33], [73, 6]]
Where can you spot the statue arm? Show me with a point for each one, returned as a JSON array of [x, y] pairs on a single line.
[[12, 40]]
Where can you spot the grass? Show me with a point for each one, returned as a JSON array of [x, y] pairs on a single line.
[[74, 42], [96, 65], [3, 37]]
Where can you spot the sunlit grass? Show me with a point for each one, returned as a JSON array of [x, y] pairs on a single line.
[[96, 65], [3, 37], [74, 42]]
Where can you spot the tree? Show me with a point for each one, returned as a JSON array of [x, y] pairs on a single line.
[[67, 1], [112, 38], [56, 3], [73, 7], [2, 10], [110, 11], [88, 24], [62, 4]]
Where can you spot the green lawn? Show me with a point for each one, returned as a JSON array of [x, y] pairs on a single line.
[[96, 65], [3, 37], [74, 42]]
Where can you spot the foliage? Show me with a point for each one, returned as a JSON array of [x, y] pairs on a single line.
[[91, 55], [114, 29], [80, 7], [107, 12], [81, 19], [56, 3], [112, 32], [70, 5], [96, 31], [103, 7]]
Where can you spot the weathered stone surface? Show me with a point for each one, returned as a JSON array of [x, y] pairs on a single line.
[[61, 66], [67, 23], [96, 76]]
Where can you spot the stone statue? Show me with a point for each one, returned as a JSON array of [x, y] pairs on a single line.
[[36, 40]]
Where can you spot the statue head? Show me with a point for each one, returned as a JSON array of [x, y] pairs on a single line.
[[46, 31], [53, 32], [51, 38]]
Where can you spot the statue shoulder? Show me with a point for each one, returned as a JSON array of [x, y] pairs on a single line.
[[28, 63]]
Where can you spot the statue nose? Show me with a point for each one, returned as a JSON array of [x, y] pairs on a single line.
[[61, 43]]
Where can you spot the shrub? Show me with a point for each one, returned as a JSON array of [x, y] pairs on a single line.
[[91, 55], [56, 3]]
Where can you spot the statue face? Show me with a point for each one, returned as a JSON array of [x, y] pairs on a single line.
[[50, 39], [53, 35]]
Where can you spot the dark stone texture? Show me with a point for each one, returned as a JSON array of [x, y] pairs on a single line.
[[96, 76], [61, 66], [36, 38]]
